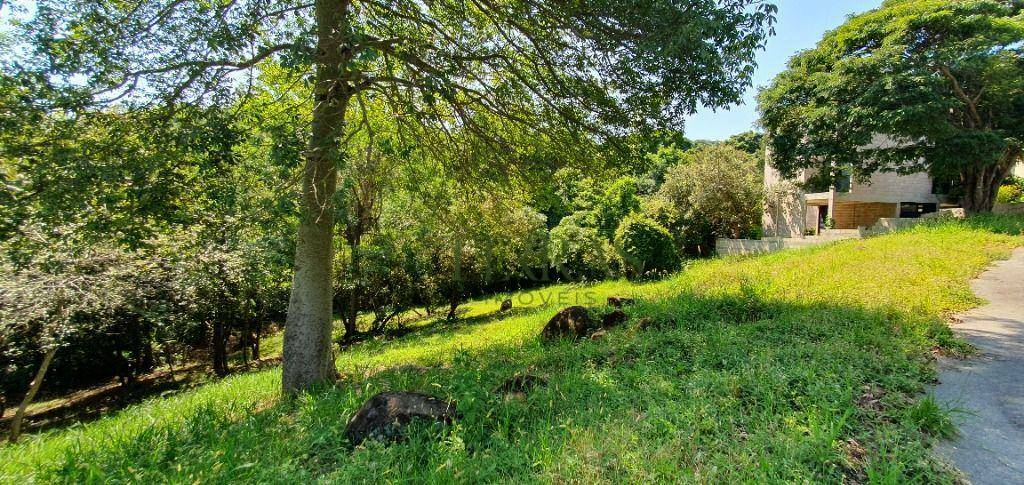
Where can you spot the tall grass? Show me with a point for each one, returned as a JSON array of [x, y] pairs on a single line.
[[798, 366]]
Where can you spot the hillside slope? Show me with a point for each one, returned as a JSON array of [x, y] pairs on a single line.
[[804, 365]]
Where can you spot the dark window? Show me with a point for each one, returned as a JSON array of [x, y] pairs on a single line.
[[913, 210], [843, 181]]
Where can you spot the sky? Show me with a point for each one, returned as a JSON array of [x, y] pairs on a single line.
[[801, 24]]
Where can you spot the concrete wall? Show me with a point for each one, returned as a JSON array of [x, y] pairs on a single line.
[[784, 212], [738, 247], [813, 216], [1008, 209], [892, 188]]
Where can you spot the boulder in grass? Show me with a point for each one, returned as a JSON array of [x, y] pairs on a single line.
[[506, 306], [573, 323], [619, 302], [385, 415], [646, 323]]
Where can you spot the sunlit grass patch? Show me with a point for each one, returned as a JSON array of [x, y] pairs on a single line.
[[799, 366]]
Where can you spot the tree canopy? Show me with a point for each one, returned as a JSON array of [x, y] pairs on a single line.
[[443, 71], [915, 85]]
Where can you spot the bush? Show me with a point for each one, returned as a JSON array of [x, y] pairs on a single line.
[[645, 247], [1010, 194], [578, 252], [716, 192]]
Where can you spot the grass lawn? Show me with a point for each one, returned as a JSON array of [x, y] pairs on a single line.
[[799, 366]]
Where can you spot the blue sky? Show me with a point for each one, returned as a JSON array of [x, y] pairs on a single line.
[[801, 23]]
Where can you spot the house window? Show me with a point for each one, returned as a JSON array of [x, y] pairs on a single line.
[[843, 181], [913, 210]]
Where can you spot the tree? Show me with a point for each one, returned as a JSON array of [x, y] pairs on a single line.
[[748, 141], [716, 192], [941, 81], [595, 66], [618, 201], [57, 298]]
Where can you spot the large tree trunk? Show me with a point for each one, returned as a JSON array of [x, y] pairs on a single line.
[[308, 357], [981, 184], [33, 389]]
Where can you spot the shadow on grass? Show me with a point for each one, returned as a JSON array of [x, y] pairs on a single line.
[[731, 387], [439, 326]]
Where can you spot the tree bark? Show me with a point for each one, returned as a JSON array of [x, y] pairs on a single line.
[[455, 296], [981, 184], [220, 351], [255, 344], [33, 388], [308, 357]]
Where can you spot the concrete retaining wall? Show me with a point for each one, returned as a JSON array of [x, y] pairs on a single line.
[[734, 247], [1008, 209], [739, 247]]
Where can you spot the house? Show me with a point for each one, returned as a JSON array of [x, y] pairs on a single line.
[[849, 204], [803, 206], [800, 206]]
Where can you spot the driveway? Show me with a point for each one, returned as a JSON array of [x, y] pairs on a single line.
[[989, 386]]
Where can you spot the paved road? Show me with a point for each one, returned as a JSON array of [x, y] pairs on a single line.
[[990, 385]]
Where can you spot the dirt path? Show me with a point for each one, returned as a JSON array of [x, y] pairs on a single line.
[[989, 386]]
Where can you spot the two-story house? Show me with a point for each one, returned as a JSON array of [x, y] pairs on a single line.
[[846, 203]]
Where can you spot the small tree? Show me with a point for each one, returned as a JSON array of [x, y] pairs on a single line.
[[716, 192], [943, 81], [64, 291], [618, 201]]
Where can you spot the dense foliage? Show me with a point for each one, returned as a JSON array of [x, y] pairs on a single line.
[[1012, 191], [454, 76], [915, 85], [716, 192]]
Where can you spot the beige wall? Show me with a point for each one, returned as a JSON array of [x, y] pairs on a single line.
[[1019, 170], [784, 214], [892, 188]]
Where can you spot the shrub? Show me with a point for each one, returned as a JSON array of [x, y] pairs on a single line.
[[716, 192], [1010, 194], [578, 252], [645, 247]]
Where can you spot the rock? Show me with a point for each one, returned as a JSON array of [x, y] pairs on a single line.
[[385, 415], [506, 306], [614, 318], [573, 322], [619, 302], [519, 384]]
